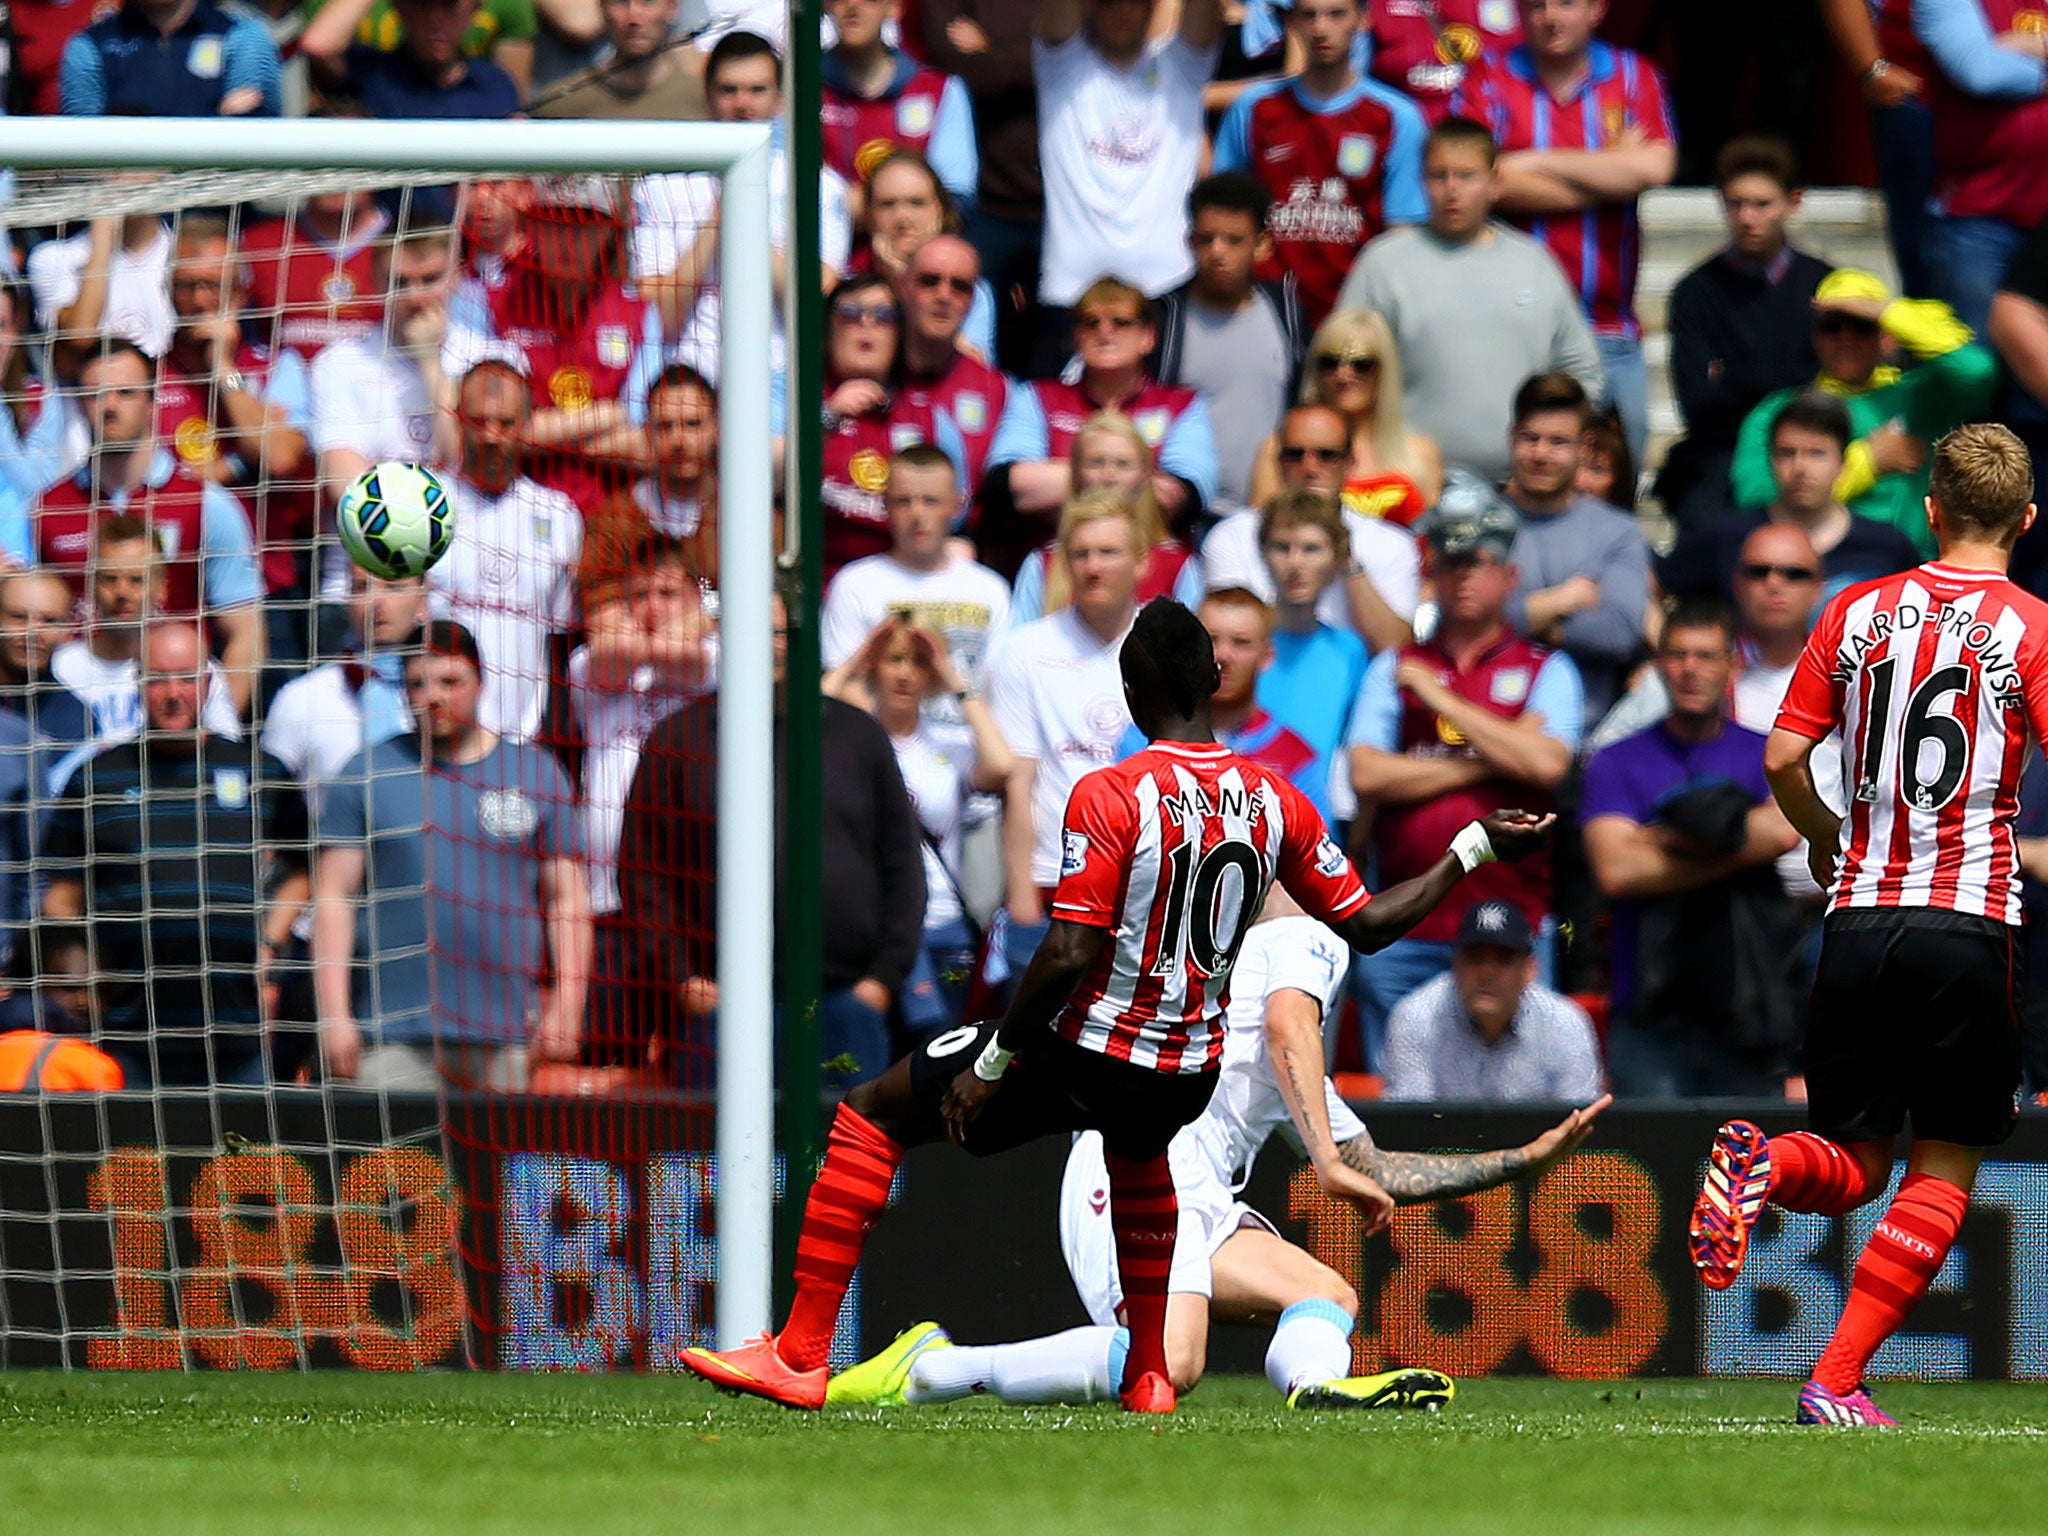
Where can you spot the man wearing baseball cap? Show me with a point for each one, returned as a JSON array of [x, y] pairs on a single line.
[[1473, 719], [1488, 1029], [1895, 413]]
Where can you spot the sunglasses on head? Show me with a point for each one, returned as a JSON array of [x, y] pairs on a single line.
[[1293, 454], [1838, 324], [936, 280], [1357, 362], [1763, 571], [865, 314]]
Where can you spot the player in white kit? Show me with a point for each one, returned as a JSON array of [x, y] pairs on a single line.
[[1230, 1265]]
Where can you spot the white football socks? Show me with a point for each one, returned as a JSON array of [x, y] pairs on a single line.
[[1311, 1345], [1082, 1365]]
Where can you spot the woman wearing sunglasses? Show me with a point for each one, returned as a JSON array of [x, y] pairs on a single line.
[[868, 417], [1353, 368]]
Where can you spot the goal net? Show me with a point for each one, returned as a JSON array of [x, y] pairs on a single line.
[[392, 904]]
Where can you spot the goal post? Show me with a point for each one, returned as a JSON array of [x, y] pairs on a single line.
[[741, 154]]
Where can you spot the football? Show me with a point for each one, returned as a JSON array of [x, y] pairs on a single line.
[[396, 520]]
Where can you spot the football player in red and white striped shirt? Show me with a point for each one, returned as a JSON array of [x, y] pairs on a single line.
[[1117, 1023], [1937, 680]]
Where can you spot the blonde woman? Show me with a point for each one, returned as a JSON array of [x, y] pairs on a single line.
[[1109, 454], [1353, 368]]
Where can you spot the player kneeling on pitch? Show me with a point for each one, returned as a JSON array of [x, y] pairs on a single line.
[[1229, 1263], [1937, 681], [1117, 1023]]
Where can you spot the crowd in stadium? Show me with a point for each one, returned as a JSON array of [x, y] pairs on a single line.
[[1319, 316]]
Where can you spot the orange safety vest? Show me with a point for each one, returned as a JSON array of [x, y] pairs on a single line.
[[34, 1062]]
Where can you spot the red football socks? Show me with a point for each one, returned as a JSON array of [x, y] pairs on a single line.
[[1144, 1214], [1811, 1173], [848, 1197], [1900, 1262]]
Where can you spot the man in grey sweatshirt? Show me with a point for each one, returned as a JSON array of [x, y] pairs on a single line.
[[1583, 566], [1475, 307]]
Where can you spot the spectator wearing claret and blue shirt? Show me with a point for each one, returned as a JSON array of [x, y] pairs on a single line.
[[171, 58], [1340, 154]]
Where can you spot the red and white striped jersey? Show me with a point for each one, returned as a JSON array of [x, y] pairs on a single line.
[[1938, 680], [1174, 850]]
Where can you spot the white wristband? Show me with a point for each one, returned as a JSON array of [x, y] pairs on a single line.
[[992, 1062], [1472, 846]]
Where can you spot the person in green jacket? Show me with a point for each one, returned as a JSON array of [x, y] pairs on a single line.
[[1895, 412]]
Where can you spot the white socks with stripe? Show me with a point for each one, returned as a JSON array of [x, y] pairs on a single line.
[[1082, 1365], [1311, 1345]]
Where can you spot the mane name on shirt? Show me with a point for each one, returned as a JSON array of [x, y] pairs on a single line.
[[1195, 805]]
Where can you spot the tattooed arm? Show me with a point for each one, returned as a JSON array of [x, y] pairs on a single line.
[[1294, 1047], [1413, 1177]]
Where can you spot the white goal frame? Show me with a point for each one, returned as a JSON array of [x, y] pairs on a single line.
[[740, 154]]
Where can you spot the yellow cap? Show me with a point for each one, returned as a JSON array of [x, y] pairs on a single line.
[[1854, 291]]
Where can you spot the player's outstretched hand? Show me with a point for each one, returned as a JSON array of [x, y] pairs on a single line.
[[1360, 1191], [1563, 1138], [966, 1099], [1516, 834]]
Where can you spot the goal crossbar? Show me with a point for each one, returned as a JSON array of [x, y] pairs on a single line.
[[740, 153]]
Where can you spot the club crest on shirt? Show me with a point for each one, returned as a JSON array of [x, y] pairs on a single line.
[[420, 429], [1073, 853], [1459, 44], [914, 116], [614, 346], [869, 471], [1510, 685], [970, 410], [904, 435], [205, 58], [1152, 425], [1354, 154], [506, 815], [570, 389], [338, 287], [870, 155], [231, 788], [193, 438], [1497, 15]]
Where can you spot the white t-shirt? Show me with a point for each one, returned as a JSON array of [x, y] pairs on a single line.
[[1058, 699], [510, 575], [669, 210], [138, 305], [1759, 691], [1120, 148], [965, 602], [616, 724], [711, 20], [1231, 558], [315, 725], [676, 516], [1295, 953], [112, 694], [937, 776]]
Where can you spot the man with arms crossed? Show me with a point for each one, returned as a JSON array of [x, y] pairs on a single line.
[[1937, 679]]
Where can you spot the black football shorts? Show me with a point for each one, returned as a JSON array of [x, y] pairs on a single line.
[[1054, 1087], [1915, 1018]]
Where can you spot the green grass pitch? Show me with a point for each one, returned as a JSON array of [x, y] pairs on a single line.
[[453, 1454]]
